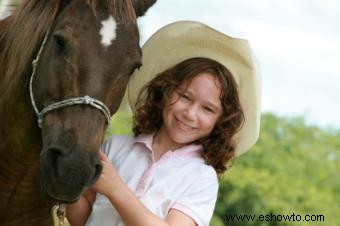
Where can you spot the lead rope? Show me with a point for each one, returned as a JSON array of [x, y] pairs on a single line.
[[58, 213]]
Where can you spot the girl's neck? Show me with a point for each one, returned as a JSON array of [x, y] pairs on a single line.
[[162, 143]]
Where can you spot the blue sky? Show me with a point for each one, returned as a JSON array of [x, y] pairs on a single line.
[[296, 41]]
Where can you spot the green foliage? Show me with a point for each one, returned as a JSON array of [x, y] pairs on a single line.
[[121, 123], [293, 169]]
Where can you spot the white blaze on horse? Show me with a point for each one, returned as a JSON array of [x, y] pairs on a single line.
[[65, 63], [108, 31]]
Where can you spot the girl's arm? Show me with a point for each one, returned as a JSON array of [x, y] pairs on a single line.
[[130, 208], [77, 213]]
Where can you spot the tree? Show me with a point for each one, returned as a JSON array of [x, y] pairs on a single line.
[[291, 170]]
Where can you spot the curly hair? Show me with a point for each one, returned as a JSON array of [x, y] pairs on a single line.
[[218, 146]]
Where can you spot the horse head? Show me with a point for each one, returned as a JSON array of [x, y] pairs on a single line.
[[91, 50]]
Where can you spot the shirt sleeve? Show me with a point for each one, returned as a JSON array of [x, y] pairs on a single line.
[[198, 202]]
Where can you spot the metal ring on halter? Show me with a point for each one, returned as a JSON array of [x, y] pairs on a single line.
[[87, 100]]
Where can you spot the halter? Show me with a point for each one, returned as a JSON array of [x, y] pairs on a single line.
[[64, 103]]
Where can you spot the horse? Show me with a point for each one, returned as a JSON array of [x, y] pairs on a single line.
[[65, 63]]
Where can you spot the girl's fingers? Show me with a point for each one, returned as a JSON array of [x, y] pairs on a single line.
[[103, 157]]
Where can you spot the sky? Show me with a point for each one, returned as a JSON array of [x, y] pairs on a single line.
[[3, 6], [297, 43]]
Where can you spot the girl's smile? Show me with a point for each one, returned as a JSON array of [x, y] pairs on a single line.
[[183, 126]]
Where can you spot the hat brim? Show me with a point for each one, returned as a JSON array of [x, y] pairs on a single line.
[[182, 40]]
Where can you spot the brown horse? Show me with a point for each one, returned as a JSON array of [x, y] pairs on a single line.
[[85, 51]]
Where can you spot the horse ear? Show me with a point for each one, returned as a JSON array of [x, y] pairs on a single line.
[[141, 6]]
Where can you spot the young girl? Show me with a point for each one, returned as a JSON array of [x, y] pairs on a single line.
[[198, 113]]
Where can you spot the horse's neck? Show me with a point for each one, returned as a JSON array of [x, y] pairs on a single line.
[[20, 137], [20, 196], [18, 128], [19, 154]]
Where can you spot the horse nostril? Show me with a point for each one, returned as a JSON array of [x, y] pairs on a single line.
[[53, 156]]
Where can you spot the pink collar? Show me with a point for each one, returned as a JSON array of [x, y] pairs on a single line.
[[187, 151]]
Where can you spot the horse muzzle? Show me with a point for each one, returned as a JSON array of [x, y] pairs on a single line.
[[65, 174]]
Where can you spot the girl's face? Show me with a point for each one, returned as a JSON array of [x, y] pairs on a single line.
[[193, 110]]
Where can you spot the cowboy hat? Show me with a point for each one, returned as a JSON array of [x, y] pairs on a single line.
[[182, 40]]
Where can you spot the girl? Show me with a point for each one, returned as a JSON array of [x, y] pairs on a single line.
[[189, 122]]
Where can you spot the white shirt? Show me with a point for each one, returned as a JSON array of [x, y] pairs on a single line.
[[179, 180]]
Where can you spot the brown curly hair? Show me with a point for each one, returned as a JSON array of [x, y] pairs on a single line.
[[218, 147]]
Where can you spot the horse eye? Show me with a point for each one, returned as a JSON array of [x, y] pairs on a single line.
[[60, 43]]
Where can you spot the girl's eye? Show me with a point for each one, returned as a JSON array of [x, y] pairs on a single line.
[[185, 96], [208, 109]]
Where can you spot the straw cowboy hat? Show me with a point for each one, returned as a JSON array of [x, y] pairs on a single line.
[[182, 40]]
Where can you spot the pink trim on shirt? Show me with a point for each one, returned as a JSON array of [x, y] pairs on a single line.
[[188, 212], [145, 139], [188, 151]]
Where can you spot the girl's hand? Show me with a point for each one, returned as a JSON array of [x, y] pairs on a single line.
[[108, 179]]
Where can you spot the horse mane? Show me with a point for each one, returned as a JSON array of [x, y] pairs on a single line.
[[22, 32], [122, 9]]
